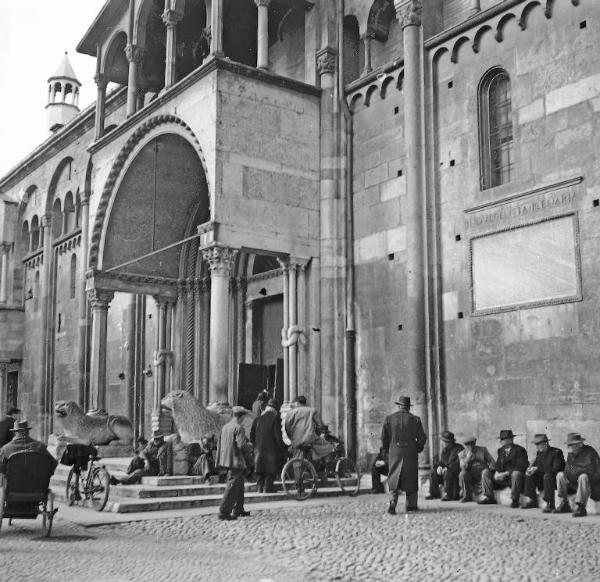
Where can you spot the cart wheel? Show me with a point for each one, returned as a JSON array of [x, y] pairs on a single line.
[[100, 488], [48, 515]]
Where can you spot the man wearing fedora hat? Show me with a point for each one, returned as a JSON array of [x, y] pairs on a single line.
[[473, 460], [21, 441], [581, 476], [511, 464], [403, 437], [445, 471], [541, 474], [6, 424]]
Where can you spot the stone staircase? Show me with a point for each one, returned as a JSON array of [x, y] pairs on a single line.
[[171, 493]]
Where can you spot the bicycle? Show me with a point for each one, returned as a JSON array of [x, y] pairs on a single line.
[[87, 482], [300, 479]]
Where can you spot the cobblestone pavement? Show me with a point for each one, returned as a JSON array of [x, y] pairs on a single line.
[[343, 539]]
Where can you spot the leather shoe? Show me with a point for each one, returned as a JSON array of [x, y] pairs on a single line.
[[226, 517], [514, 503], [242, 513], [580, 511], [412, 508], [530, 505], [391, 509], [487, 501], [564, 507], [446, 498], [430, 497], [548, 509]]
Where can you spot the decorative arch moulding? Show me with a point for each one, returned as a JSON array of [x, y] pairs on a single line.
[[119, 164], [494, 19]]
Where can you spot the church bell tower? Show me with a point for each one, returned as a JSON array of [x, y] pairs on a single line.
[[63, 96]]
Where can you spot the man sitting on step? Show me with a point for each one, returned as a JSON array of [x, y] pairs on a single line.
[[541, 475], [445, 471], [581, 476], [157, 458]]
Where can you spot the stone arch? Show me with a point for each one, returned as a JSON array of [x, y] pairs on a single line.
[[356, 102], [528, 8], [64, 163], [381, 14], [502, 23], [385, 85], [372, 90], [152, 128], [456, 48], [114, 64], [478, 36]]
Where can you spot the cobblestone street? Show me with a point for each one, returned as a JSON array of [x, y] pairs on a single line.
[[342, 539]]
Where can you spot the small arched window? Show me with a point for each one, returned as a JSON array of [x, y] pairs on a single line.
[[35, 234], [57, 219], [495, 129], [73, 279]]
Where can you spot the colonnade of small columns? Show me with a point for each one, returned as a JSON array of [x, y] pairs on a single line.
[[62, 90]]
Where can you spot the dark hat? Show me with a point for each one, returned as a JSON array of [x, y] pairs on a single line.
[[13, 410], [540, 438], [157, 434], [469, 439], [21, 425], [403, 401], [273, 403], [300, 399], [506, 434], [447, 436], [574, 438]]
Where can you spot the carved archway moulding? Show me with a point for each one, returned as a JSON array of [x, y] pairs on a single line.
[[116, 173]]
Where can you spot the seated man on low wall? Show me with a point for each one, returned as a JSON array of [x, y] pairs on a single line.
[[541, 475], [445, 471], [473, 460], [157, 458], [511, 465], [581, 476]]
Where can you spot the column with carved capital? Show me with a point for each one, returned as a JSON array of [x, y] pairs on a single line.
[[4, 249], [409, 14], [291, 331], [134, 54], [367, 39], [83, 308], [262, 37], [171, 18], [101, 83], [221, 261], [284, 264], [301, 299], [100, 302], [162, 353]]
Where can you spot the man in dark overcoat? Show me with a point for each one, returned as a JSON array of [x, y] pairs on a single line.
[[403, 438], [541, 475], [230, 456], [445, 472], [511, 464], [266, 437]]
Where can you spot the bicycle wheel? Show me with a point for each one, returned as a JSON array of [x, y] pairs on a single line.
[[99, 488], [72, 494], [48, 515], [299, 479], [347, 476]]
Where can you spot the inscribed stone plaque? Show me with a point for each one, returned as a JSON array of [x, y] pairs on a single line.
[[526, 266]]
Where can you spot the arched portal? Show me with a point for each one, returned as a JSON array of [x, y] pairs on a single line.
[[163, 187]]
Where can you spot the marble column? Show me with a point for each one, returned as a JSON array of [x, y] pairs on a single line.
[[301, 300], [134, 54], [221, 261], [4, 249], [286, 324], [162, 352], [171, 18], [99, 301], [101, 84], [45, 396], [83, 307], [367, 39], [292, 320], [409, 14], [262, 37], [216, 28], [474, 7]]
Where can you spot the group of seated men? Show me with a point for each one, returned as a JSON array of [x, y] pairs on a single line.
[[462, 471]]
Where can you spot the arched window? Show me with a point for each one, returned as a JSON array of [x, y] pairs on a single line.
[[73, 275], [351, 50], [69, 220], [57, 219], [35, 234], [495, 129]]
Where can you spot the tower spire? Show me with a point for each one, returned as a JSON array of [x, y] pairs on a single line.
[[63, 95]]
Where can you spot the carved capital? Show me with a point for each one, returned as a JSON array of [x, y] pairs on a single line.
[[299, 263], [162, 301], [5, 247], [326, 61], [264, 3], [409, 13], [101, 81], [46, 221], [284, 264], [171, 17], [134, 53], [100, 298], [220, 260]]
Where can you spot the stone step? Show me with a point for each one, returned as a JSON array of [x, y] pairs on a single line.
[[503, 497]]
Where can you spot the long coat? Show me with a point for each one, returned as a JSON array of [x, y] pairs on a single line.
[[268, 442], [550, 461], [404, 438], [512, 459]]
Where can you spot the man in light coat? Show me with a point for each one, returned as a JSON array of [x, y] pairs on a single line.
[[404, 438], [230, 456], [303, 424]]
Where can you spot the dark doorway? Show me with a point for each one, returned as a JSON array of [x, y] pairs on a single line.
[[12, 386]]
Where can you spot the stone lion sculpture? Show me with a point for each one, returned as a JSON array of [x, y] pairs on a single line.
[[91, 430], [193, 421]]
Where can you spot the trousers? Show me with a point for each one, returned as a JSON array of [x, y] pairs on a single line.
[[233, 497], [582, 490], [515, 480]]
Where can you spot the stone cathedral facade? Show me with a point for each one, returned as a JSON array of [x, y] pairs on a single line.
[[344, 199]]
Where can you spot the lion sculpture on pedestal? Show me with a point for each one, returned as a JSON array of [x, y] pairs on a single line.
[[78, 427], [194, 422]]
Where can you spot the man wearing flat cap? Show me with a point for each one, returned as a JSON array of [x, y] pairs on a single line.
[[445, 471], [541, 474], [21, 441], [6, 424], [230, 456], [473, 460], [511, 464], [581, 476], [403, 437]]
